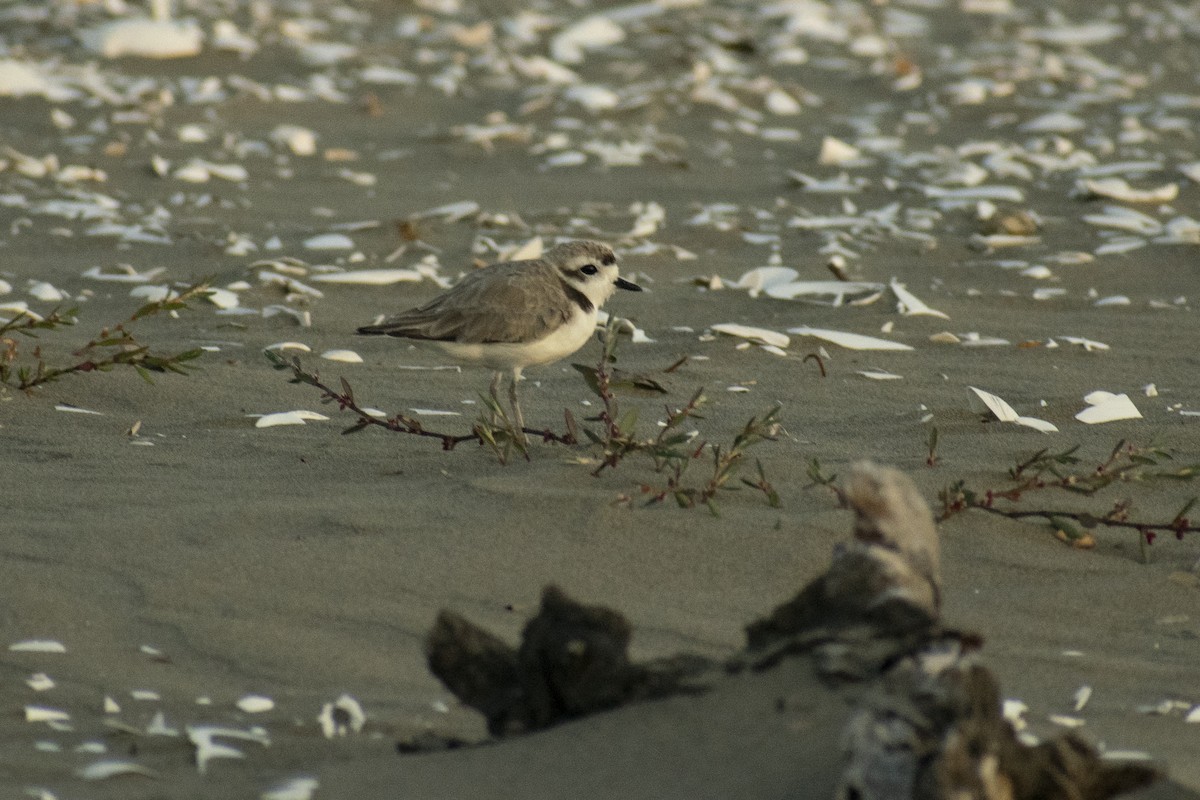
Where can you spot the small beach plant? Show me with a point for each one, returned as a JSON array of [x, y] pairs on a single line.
[[114, 346]]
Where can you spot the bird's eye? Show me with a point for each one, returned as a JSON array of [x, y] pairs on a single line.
[[589, 269]]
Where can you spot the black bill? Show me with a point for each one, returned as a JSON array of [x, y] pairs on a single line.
[[630, 285]]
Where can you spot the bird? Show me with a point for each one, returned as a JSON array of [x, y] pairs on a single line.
[[516, 314]]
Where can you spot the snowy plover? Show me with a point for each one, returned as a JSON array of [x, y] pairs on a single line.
[[516, 314]]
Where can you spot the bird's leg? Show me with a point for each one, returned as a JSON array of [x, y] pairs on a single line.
[[494, 390], [515, 403]]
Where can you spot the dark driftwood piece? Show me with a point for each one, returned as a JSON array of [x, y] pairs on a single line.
[[927, 723], [573, 660]]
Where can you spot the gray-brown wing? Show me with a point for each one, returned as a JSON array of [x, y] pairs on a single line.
[[513, 302]]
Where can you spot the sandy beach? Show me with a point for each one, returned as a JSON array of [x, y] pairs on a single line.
[[203, 559]]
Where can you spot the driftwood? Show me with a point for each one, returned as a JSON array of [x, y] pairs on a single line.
[[927, 724], [887, 578], [573, 660]]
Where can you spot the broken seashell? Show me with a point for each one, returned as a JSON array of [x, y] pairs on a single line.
[[835, 152], [1107, 407], [255, 704], [329, 241], [203, 739], [1119, 189], [300, 788], [345, 356], [299, 417], [341, 717], [851, 341], [301, 141], [910, 305], [1003, 412], [112, 768], [370, 277], [760, 335], [145, 38]]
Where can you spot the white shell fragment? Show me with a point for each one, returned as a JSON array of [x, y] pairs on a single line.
[[1054, 122], [222, 298], [529, 250], [345, 356], [301, 141], [1119, 189], [203, 737], [125, 274], [835, 152], [1125, 219], [1090, 345], [152, 294], [299, 788], [329, 241], [200, 171], [912, 306], [1003, 412], [834, 293], [758, 280], [70, 409], [851, 341], [37, 646], [287, 418], [39, 682], [451, 212], [145, 38], [1107, 407], [1066, 722], [45, 714], [1014, 712], [1126, 755], [255, 704], [370, 277], [158, 726], [46, 292], [25, 79], [782, 103], [760, 335], [112, 768], [1082, 695], [341, 717], [590, 33]]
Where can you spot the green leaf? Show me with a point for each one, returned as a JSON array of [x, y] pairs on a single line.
[[589, 377], [1186, 508], [147, 310]]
